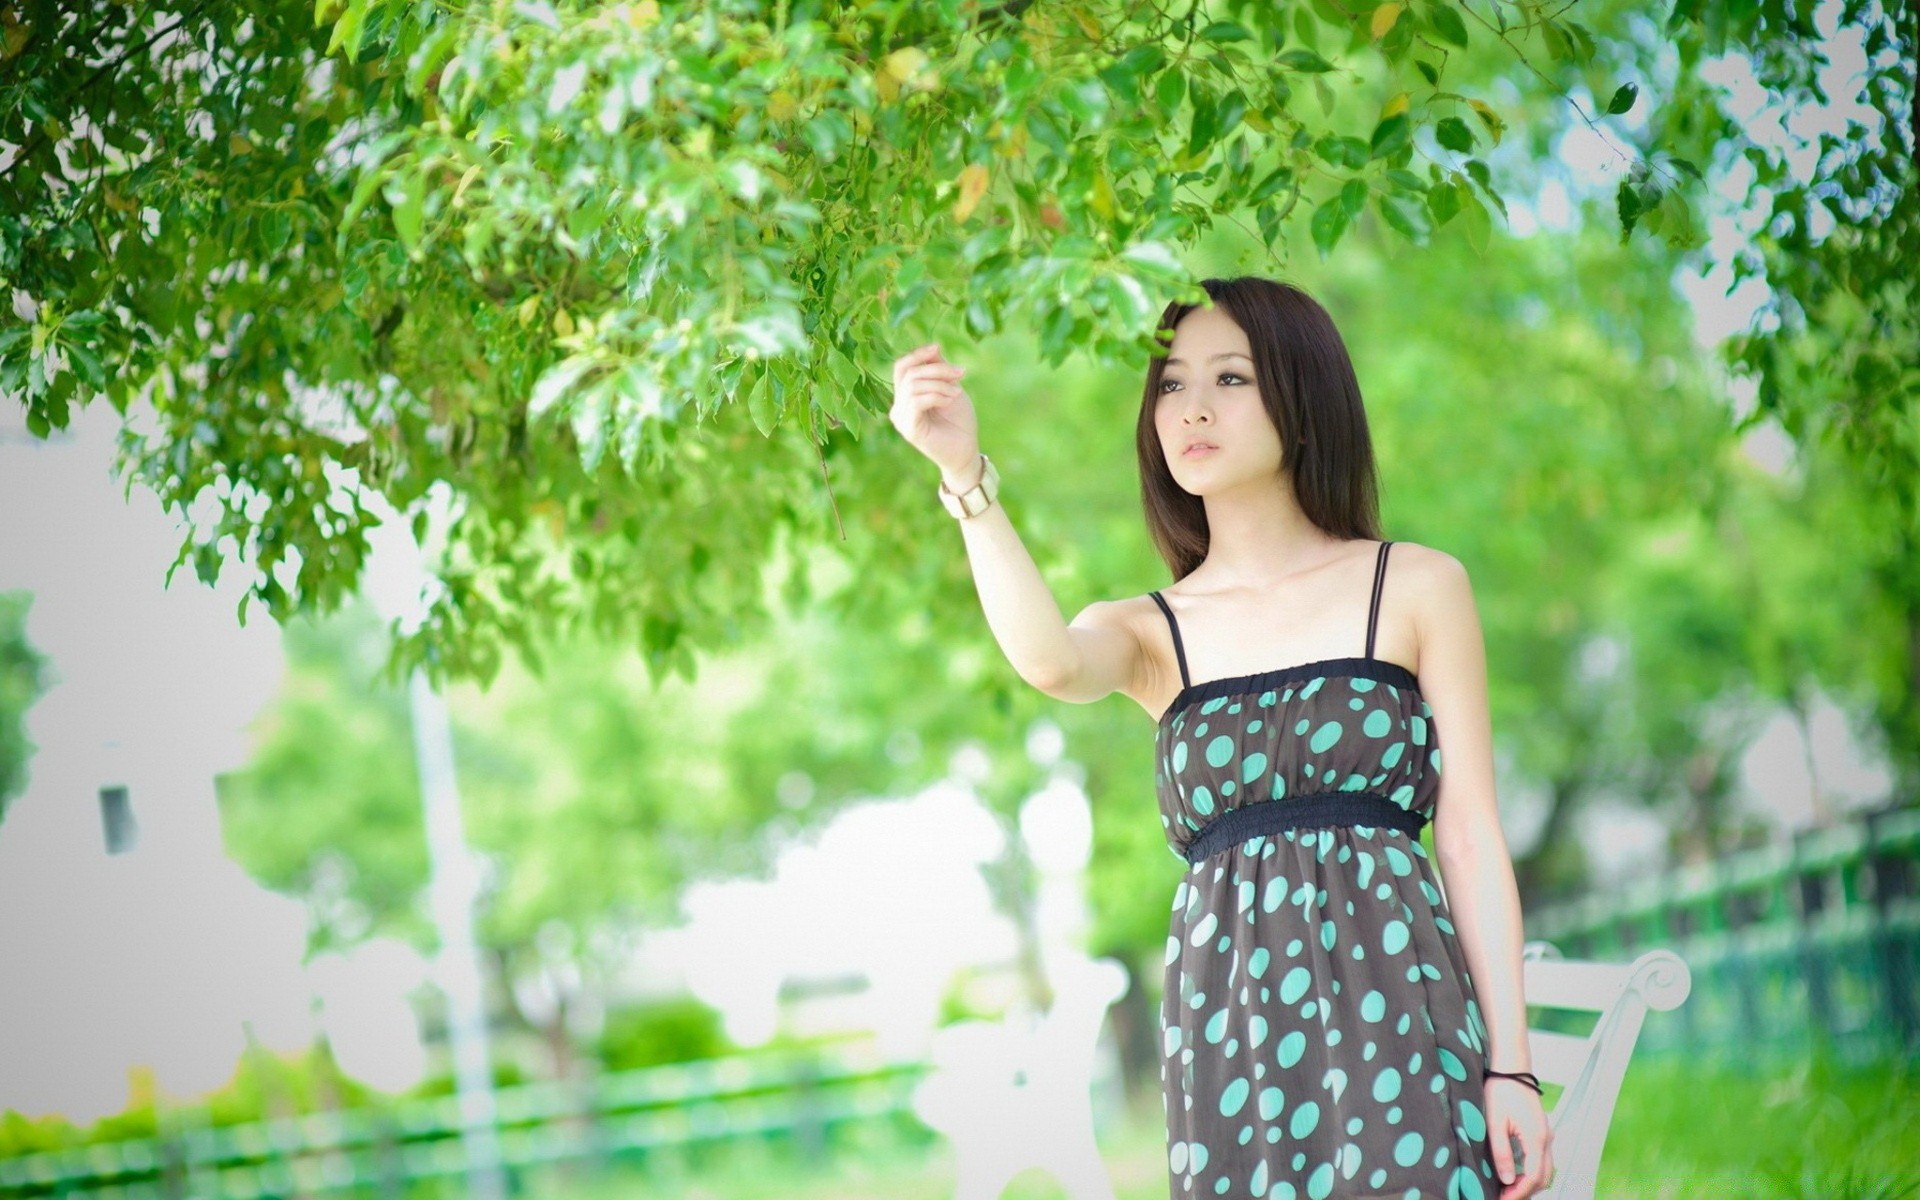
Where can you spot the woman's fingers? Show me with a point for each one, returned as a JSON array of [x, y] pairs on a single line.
[[1536, 1160], [925, 354], [934, 371]]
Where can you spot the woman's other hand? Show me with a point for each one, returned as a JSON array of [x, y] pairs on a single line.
[[1514, 1112]]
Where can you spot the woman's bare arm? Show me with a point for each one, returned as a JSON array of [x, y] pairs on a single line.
[[1476, 868], [1090, 659]]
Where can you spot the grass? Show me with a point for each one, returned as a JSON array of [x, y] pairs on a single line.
[[1682, 1131]]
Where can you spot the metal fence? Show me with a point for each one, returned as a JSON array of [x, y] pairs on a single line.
[[1808, 943], [625, 1117]]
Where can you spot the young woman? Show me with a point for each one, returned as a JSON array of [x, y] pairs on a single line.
[[1333, 1024]]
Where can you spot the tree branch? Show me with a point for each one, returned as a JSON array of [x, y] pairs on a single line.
[[39, 137]]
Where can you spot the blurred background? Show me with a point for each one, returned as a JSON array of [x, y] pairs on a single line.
[[279, 920]]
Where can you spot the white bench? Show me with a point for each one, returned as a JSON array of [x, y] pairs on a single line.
[[1016, 1093], [1013, 1094], [1590, 1068]]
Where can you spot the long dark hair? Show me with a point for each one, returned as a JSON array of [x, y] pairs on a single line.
[[1307, 383]]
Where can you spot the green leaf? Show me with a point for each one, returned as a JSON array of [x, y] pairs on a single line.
[[1446, 22], [1482, 176], [1266, 188], [1627, 203], [589, 419], [1622, 99], [1405, 215], [774, 330], [1233, 106], [1353, 196], [1226, 31], [1391, 136], [1454, 134], [438, 47], [1339, 150], [409, 215], [86, 364], [1170, 88], [758, 398], [1155, 256], [1557, 44], [554, 386], [1478, 223], [1299, 59], [1329, 222], [347, 30], [362, 193], [275, 229], [1581, 41], [1055, 329]]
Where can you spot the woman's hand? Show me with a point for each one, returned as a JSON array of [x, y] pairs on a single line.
[[932, 411], [1514, 1111]]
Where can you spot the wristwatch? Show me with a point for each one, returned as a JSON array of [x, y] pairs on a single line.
[[973, 501]]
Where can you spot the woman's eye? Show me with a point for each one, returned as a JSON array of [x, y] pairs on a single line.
[[1223, 375]]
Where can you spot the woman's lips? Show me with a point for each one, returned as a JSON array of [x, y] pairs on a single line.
[[1197, 451]]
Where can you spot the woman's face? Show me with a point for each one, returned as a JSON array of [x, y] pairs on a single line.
[[1208, 394]]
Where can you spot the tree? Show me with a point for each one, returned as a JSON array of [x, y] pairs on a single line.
[[23, 679], [616, 271]]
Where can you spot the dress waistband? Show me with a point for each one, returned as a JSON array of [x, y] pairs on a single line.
[[1315, 809]]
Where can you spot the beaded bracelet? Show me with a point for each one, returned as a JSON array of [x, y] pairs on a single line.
[[1526, 1077]]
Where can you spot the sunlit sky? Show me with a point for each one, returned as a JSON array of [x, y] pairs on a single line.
[[168, 955]]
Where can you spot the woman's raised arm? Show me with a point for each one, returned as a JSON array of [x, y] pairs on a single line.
[[936, 417]]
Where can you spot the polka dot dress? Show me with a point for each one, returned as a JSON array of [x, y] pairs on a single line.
[[1320, 1034]]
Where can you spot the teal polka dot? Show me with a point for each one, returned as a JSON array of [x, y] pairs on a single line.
[[1320, 1183], [1373, 1006], [1291, 1048], [1257, 961], [1202, 801], [1179, 757], [1305, 1118], [1254, 767], [1217, 1027], [1472, 1120], [1324, 737], [1220, 750], [1234, 1097], [1271, 1101], [1466, 1184], [1377, 725], [1407, 1150], [1294, 985], [1393, 938], [1386, 1085]]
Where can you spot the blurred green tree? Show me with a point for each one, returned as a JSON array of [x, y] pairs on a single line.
[[23, 679]]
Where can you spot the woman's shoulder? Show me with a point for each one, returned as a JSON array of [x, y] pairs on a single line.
[[1429, 565]]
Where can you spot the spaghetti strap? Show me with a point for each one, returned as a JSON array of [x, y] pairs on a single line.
[[1179, 650], [1379, 582]]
